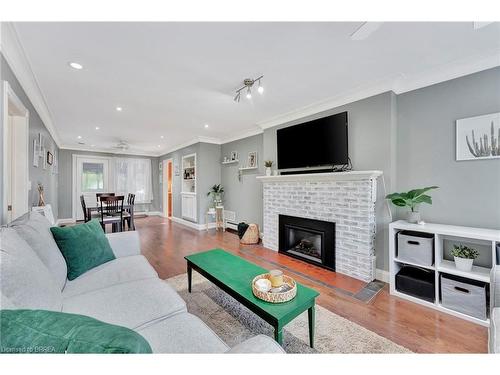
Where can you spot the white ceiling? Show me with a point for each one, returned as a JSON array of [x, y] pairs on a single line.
[[172, 78]]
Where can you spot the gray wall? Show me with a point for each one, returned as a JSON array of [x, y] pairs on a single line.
[[209, 174], [469, 192], [245, 196], [36, 126], [208, 157], [66, 181], [371, 128]]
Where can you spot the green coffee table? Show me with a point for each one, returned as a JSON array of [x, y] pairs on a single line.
[[234, 275]]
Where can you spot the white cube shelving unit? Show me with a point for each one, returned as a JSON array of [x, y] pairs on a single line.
[[487, 238]]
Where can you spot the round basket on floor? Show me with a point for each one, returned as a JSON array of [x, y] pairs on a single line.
[[251, 235], [275, 297]]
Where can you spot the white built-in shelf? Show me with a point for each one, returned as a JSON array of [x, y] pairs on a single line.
[[477, 273], [450, 230], [230, 161], [442, 233], [247, 168], [414, 264]]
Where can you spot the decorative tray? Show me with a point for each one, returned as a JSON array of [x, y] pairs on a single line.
[[284, 293]]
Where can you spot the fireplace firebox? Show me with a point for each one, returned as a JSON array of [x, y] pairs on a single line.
[[310, 240]]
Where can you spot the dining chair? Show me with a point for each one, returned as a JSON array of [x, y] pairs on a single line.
[[127, 215], [93, 215], [112, 212], [99, 195]]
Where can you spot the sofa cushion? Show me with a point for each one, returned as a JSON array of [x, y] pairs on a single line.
[[6, 303], [117, 271], [258, 344], [25, 280], [84, 247], [131, 305], [42, 331], [34, 228], [182, 333]]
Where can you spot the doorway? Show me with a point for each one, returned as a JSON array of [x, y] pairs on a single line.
[[167, 178], [15, 125], [90, 176]]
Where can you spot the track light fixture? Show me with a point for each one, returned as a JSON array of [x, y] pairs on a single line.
[[248, 84]]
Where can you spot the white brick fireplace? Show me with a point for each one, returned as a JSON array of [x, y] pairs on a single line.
[[345, 198]]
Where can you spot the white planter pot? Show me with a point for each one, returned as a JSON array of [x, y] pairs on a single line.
[[413, 217], [463, 264], [269, 172]]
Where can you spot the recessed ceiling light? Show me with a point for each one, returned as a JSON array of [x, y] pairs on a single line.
[[206, 126], [159, 146], [119, 109], [161, 136], [79, 137], [97, 128], [76, 66]]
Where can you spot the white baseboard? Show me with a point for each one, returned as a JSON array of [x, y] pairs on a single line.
[[190, 224], [65, 221], [382, 275], [149, 213]]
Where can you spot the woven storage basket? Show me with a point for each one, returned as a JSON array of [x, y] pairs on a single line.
[[275, 297], [251, 235]]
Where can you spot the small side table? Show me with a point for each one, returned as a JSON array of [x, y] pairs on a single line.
[[219, 217]]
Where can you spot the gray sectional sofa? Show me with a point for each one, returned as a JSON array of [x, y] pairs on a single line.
[[126, 291], [494, 333]]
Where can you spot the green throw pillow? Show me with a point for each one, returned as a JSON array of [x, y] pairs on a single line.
[[43, 331], [84, 247]]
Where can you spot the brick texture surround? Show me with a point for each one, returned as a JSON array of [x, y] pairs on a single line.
[[350, 203]]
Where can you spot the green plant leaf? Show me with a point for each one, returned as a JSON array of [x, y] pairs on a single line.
[[394, 196], [399, 202], [423, 199]]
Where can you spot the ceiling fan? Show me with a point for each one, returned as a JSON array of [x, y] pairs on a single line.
[[122, 146]]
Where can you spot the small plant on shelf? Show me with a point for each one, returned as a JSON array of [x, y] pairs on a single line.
[[268, 164], [412, 200], [464, 257], [216, 192]]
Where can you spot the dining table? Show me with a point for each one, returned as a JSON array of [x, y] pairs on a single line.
[[126, 207]]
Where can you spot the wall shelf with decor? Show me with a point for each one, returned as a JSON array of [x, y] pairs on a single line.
[[247, 168], [230, 162], [444, 237]]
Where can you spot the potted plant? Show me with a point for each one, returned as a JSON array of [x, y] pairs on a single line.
[[268, 164], [216, 192], [412, 199], [464, 257]]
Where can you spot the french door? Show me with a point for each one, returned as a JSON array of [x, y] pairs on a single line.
[[91, 175]]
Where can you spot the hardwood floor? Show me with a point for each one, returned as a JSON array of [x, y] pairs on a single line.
[[413, 326]]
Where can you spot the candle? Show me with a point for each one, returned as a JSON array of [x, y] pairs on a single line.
[[276, 278]]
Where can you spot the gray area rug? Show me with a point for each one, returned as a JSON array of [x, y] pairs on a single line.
[[234, 323]]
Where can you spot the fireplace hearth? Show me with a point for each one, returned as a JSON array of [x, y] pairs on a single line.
[[310, 240]]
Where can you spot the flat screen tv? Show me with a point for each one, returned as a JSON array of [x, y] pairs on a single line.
[[316, 143]]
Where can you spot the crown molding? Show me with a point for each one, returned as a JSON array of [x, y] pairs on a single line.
[[241, 135], [325, 105], [18, 61], [398, 83], [455, 69], [108, 151]]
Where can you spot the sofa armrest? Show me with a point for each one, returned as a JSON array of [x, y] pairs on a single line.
[[495, 286], [257, 344], [125, 244]]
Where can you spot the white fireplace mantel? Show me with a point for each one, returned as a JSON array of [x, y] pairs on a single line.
[[333, 176], [344, 198]]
